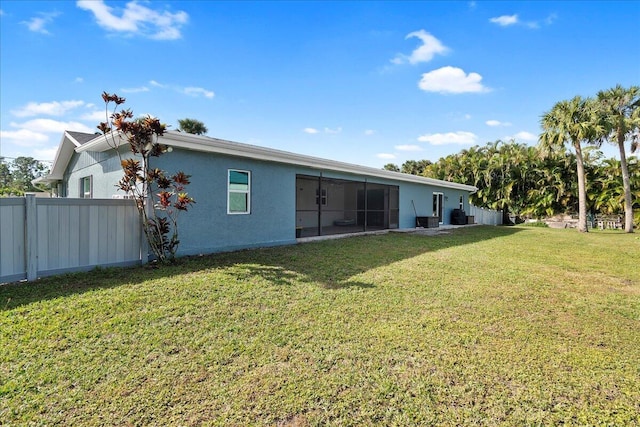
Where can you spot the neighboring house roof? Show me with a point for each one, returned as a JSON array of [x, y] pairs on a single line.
[[213, 145]]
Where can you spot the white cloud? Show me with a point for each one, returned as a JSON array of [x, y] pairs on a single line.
[[333, 131], [505, 20], [524, 136], [37, 133], [37, 23], [385, 156], [496, 123], [369, 132], [52, 126], [137, 19], [408, 147], [197, 91], [135, 89], [54, 108], [425, 52], [23, 137], [310, 130], [95, 116], [451, 80], [46, 153], [79, 80], [459, 137], [188, 90]]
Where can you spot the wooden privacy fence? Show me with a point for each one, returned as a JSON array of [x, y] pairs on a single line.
[[42, 237], [485, 216]]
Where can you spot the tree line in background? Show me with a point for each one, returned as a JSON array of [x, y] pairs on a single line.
[[565, 173], [16, 175]]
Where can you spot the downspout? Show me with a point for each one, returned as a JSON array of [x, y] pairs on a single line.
[[319, 199], [365, 205]]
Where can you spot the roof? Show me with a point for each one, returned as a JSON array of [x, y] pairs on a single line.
[[220, 146], [69, 142], [82, 137]]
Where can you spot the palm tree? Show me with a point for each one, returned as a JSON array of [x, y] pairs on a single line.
[[193, 126], [609, 193], [620, 118], [572, 122]]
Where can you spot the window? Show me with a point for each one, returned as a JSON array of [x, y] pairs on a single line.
[[86, 187], [239, 194]]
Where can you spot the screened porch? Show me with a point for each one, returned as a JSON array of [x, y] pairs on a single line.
[[326, 206]]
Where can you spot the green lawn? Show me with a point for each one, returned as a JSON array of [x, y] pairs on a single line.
[[479, 326]]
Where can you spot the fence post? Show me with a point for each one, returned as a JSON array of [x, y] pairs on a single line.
[[31, 236]]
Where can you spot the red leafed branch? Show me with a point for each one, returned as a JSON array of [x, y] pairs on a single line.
[[159, 197]]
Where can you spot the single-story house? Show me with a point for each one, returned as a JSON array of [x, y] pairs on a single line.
[[250, 196]]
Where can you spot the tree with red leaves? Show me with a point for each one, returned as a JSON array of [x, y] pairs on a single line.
[[159, 197]]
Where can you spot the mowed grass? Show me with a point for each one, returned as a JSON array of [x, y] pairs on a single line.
[[479, 326]]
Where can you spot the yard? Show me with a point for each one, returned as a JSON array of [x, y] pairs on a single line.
[[478, 326]]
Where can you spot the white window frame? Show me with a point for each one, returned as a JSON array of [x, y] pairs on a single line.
[[84, 194], [235, 191]]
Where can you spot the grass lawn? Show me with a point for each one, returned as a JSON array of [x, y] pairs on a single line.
[[479, 326]]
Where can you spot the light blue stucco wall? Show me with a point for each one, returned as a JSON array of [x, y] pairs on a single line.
[[105, 169], [422, 197], [207, 227]]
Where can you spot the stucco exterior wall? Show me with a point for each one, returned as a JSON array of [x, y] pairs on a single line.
[[207, 227], [105, 169]]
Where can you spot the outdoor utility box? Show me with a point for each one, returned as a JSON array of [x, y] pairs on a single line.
[[427, 221], [458, 217], [471, 219]]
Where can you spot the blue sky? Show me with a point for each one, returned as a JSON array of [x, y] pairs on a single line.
[[362, 82]]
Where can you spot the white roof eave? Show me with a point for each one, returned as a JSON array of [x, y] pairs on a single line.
[[219, 146], [206, 144], [63, 155]]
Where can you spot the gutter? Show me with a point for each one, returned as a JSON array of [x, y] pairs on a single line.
[[219, 146]]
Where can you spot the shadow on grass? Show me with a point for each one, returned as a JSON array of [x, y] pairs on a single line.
[[281, 275], [329, 263]]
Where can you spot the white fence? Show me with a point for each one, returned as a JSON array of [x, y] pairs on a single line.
[[485, 216], [41, 237]]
